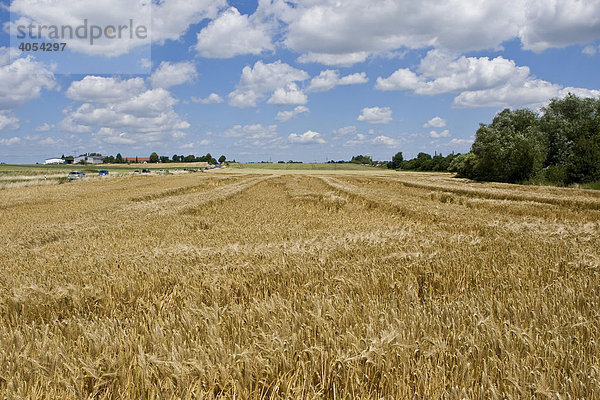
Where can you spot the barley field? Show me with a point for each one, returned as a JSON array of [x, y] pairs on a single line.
[[314, 284]]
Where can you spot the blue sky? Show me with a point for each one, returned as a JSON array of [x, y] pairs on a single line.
[[304, 80]]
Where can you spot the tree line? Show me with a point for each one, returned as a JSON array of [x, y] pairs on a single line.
[[422, 162], [560, 145], [155, 158]]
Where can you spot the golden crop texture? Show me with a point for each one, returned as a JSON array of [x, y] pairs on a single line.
[[306, 285]]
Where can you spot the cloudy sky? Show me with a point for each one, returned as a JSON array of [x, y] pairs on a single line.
[[307, 80]]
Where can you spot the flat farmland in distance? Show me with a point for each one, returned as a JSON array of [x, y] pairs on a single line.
[[312, 284], [305, 167]]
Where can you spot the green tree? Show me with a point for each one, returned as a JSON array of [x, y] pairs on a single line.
[[222, 159], [464, 165], [396, 162], [119, 159], [424, 162], [572, 128], [154, 158], [441, 163], [360, 159], [510, 149], [208, 158]]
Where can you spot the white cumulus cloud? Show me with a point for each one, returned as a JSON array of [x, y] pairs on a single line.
[[444, 133], [358, 140], [255, 135], [288, 96], [308, 137], [376, 115], [168, 75], [9, 142], [591, 50], [461, 141], [331, 32], [387, 141], [23, 80], [171, 19], [8, 121], [122, 111], [254, 131], [283, 116], [45, 127], [346, 130], [212, 98], [340, 60], [479, 82], [96, 89], [232, 34], [329, 79], [258, 81], [435, 122]]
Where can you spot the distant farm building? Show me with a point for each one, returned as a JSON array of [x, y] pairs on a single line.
[[50, 161], [88, 160]]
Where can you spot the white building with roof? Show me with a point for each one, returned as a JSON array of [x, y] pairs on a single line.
[[50, 161], [88, 160]]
